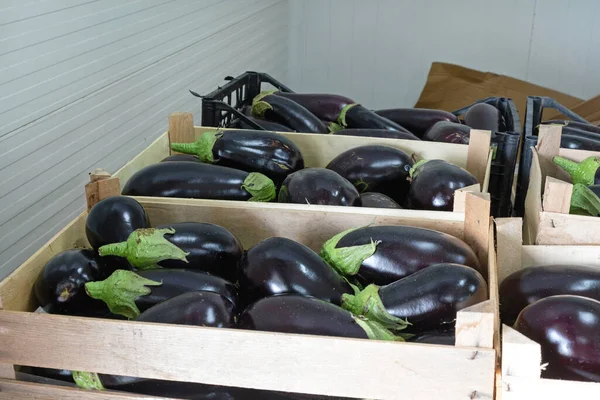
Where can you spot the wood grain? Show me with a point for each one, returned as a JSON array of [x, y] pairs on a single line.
[[478, 153], [477, 225], [557, 196], [533, 201], [517, 388], [509, 237], [520, 356], [272, 361], [475, 326], [548, 255], [548, 147], [181, 127], [460, 197], [101, 186]]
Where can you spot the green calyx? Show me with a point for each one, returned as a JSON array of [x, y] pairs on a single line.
[[120, 290], [342, 118], [346, 260], [260, 108], [145, 248], [368, 304], [414, 170], [87, 380], [376, 331], [334, 127], [203, 147], [583, 172], [584, 201], [260, 187], [262, 95]]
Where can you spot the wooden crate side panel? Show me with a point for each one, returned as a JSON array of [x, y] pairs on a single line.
[[567, 229], [158, 150], [533, 201], [509, 237], [517, 388], [272, 361], [548, 255]]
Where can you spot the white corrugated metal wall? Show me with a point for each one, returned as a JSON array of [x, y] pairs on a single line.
[[87, 84]]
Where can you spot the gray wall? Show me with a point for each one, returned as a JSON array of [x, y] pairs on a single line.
[[86, 84]]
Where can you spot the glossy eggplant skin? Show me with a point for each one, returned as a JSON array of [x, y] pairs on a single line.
[[448, 132], [531, 284], [63, 375], [60, 289], [445, 337], [485, 116], [266, 152], [417, 120], [279, 266], [113, 219], [179, 281], [324, 106], [404, 250], [595, 189], [318, 186], [381, 133], [578, 142], [377, 200], [575, 124], [299, 314], [188, 180], [376, 168], [211, 248], [289, 113], [359, 117], [181, 157], [266, 125], [433, 185], [567, 329], [430, 298]]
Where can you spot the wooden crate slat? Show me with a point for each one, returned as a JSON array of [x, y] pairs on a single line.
[[517, 388]]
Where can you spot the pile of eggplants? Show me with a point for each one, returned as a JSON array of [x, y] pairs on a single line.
[[391, 283]]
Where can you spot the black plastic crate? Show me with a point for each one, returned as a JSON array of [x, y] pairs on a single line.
[[505, 147], [533, 117]]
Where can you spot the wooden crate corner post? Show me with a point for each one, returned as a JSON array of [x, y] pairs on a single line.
[[181, 128], [477, 224], [479, 153], [521, 356], [101, 185], [7, 371], [547, 148], [509, 237]]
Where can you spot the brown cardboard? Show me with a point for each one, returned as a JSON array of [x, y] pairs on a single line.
[[588, 110], [451, 87]]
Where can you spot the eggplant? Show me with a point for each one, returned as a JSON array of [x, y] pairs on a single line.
[[193, 245], [377, 200], [445, 337], [426, 300], [278, 266], [585, 172], [417, 120], [381, 133], [253, 151], [531, 284], [385, 254], [318, 186], [355, 116], [59, 288], [128, 294], [63, 375], [566, 327], [376, 168], [326, 107], [485, 116], [181, 157], [291, 313], [434, 183], [199, 181], [574, 124], [113, 220], [579, 142], [263, 123], [448, 132], [287, 112]]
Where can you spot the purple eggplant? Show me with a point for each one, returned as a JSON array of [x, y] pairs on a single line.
[[128, 293], [199, 181], [203, 246], [278, 265], [531, 284], [263, 123], [60, 289], [113, 220], [181, 157], [446, 337], [381, 133], [448, 132], [586, 172], [376, 168], [253, 151], [574, 124], [324, 106], [579, 142], [355, 116], [377, 200], [318, 186], [417, 120], [385, 254], [287, 112], [290, 313], [485, 116], [434, 183], [567, 328], [425, 300]]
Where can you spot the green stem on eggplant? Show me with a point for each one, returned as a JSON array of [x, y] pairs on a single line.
[[342, 118], [145, 248], [346, 260], [414, 170], [334, 127], [262, 95], [120, 290], [584, 201], [368, 304], [376, 331], [260, 108], [87, 380], [203, 147], [260, 187], [583, 172]]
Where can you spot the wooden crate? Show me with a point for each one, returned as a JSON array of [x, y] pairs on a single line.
[[547, 220], [521, 357], [318, 150], [260, 360]]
